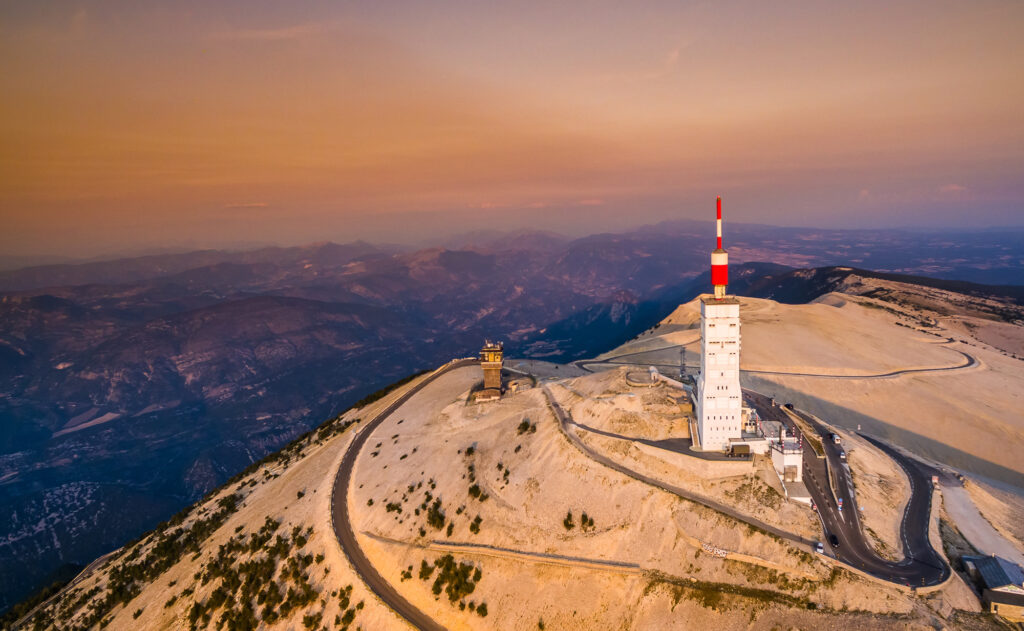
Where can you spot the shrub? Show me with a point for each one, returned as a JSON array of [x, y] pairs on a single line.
[[435, 516], [312, 620], [349, 616], [568, 522], [456, 580], [586, 522]]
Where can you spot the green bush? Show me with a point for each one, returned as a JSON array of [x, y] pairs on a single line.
[[435, 516], [457, 580]]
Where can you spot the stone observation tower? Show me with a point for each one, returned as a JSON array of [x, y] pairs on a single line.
[[719, 400], [491, 358]]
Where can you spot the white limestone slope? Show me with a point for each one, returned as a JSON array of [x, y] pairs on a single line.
[[615, 575], [967, 414]]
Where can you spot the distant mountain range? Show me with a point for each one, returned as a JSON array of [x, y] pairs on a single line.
[[129, 388]]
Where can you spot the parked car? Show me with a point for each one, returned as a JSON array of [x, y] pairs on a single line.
[[820, 548]]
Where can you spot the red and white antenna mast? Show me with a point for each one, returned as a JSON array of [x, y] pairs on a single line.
[[719, 261]]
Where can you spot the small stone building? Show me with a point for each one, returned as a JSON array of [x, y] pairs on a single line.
[[491, 360]]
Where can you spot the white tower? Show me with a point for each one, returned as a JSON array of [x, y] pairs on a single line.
[[718, 397]]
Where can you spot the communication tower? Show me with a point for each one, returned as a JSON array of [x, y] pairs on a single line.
[[719, 399]]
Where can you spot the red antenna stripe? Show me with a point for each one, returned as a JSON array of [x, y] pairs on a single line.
[[719, 207]]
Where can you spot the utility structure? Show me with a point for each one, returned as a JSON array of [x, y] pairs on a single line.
[[719, 400], [491, 360]]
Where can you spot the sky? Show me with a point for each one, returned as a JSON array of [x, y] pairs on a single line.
[[128, 125]]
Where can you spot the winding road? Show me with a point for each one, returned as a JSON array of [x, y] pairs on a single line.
[[565, 420], [922, 565], [340, 514], [969, 362]]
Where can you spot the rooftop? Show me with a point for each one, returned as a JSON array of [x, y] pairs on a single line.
[[998, 573], [709, 299], [1004, 598]]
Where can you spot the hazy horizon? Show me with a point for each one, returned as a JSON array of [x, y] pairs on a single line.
[[131, 126], [427, 239]]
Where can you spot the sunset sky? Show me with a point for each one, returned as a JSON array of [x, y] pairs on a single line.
[[132, 125]]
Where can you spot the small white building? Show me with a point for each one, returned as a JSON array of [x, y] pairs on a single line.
[[787, 458]]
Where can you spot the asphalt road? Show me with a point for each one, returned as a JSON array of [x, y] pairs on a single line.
[[89, 569], [922, 565], [340, 514], [564, 419], [969, 362]]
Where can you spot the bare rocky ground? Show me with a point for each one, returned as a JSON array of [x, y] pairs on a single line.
[[883, 490], [650, 559]]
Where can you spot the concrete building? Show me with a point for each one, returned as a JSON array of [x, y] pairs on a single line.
[[718, 398]]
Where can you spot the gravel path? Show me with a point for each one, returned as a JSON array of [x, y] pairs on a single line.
[[974, 526]]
